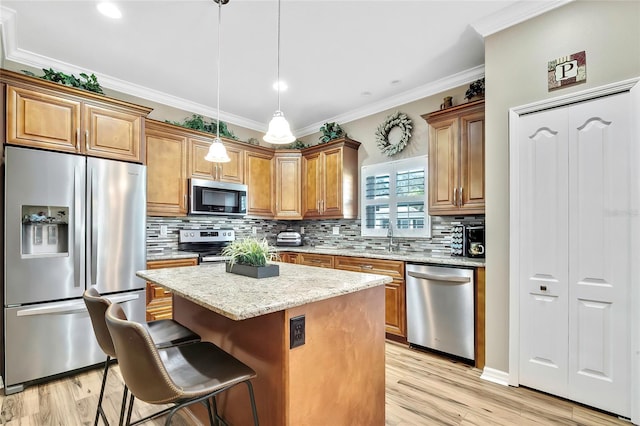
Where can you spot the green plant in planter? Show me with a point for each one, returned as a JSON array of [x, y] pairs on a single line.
[[197, 122], [248, 251], [86, 82], [297, 144], [331, 131], [475, 89]]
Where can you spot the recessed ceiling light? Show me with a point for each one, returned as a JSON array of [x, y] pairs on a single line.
[[109, 9], [282, 84]]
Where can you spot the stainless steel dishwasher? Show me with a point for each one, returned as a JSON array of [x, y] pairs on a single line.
[[440, 309]]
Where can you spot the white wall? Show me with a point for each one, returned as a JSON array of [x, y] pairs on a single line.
[[516, 74]]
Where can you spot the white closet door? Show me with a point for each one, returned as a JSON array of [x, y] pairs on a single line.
[[600, 185], [543, 280]]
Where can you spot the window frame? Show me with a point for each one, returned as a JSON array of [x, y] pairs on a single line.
[[391, 168]]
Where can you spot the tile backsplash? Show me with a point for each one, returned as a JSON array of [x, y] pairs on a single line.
[[316, 232]]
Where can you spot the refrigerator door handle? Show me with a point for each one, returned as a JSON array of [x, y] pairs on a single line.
[[78, 231], [93, 202], [438, 277], [62, 308]]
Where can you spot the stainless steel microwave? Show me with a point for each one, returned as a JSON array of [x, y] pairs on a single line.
[[217, 198]]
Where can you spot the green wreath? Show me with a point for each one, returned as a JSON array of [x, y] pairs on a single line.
[[397, 119]]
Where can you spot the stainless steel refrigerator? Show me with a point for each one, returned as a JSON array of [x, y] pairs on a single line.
[[70, 222]]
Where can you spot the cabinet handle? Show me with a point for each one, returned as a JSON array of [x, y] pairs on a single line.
[[322, 204], [77, 138], [455, 197], [461, 196], [86, 140], [185, 200], [543, 288], [366, 266]]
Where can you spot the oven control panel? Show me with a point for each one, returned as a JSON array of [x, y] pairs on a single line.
[[206, 235]]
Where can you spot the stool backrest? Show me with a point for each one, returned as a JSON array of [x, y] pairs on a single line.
[[97, 307], [140, 364]]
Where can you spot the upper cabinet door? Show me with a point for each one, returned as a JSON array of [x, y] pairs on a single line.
[[42, 120], [443, 166], [166, 173], [288, 185], [332, 176], [233, 171], [258, 177], [472, 162], [198, 166], [312, 178], [111, 133]]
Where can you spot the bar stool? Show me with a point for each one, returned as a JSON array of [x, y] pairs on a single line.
[[180, 375], [164, 333]]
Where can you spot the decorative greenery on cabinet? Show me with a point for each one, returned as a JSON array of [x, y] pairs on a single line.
[[197, 122], [86, 82], [331, 131]]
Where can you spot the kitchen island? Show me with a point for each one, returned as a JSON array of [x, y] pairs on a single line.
[[336, 377]]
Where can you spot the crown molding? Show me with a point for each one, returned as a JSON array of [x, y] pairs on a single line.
[[8, 29], [403, 98], [514, 14]]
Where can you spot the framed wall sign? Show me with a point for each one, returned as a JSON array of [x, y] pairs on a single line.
[[567, 71]]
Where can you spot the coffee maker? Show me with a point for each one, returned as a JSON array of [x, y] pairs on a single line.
[[474, 240]]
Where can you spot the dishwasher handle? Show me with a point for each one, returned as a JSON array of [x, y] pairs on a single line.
[[437, 277]]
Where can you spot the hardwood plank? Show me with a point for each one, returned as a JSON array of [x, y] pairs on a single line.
[[421, 389]]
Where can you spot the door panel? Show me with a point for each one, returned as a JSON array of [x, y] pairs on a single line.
[[600, 188], [43, 180], [116, 234], [543, 253]]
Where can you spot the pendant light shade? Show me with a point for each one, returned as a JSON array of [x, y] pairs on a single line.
[[279, 131], [217, 152]]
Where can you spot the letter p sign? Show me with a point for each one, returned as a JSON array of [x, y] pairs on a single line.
[[567, 70]]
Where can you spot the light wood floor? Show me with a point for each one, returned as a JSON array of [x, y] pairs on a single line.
[[422, 389]]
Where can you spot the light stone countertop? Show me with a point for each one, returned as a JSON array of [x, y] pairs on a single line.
[[412, 257], [238, 297]]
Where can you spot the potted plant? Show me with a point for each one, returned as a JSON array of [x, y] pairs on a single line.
[[475, 90], [249, 257], [331, 131]]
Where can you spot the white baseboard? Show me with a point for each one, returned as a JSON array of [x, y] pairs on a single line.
[[496, 376]]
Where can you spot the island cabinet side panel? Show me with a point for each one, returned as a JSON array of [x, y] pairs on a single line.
[[338, 376], [259, 343]]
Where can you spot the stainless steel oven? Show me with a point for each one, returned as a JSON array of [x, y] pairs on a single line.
[[208, 243], [217, 198]]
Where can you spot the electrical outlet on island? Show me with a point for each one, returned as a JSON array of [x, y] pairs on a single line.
[[336, 230]]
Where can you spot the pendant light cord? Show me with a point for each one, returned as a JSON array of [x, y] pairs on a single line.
[[218, 65], [278, 67]]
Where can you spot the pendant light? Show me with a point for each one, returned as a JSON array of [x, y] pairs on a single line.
[[279, 131], [217, 152]]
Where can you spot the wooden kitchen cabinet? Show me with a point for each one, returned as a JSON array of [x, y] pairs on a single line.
[[166, 150], [395, 304], [320, 260], [456, 160], [330, 180], [288, 183], [52, 116], [289, 257], [159, 299], [259, 178], [233, 171]]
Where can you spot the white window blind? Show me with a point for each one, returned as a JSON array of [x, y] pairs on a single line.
[[395, 194]]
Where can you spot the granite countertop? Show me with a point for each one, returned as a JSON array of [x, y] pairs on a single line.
[[412, 257], [170, 255], [238, 297]]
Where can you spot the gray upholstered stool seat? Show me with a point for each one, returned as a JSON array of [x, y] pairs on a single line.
[[164, 333], [181, 375]]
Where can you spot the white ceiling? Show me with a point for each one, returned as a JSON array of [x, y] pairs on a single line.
[[341, 59]]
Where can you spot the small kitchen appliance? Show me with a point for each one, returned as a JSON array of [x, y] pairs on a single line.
[[208, 243], [475, 241], [458, 241], [289, 238]]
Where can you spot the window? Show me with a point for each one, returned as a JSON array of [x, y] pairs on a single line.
[[395, 193]]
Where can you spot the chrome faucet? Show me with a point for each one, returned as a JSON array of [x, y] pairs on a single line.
[[390, 235]]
